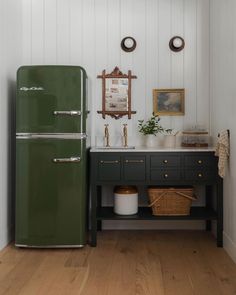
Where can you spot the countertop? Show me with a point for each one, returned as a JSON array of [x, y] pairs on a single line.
[[149, 150]]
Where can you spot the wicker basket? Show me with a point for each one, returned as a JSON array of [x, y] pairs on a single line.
[[171, 201]]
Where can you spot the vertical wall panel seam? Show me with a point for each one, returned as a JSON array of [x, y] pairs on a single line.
[[158, 55], [56, 31], [183, 63], [107, 55], [196, 66], [157, 44], [70, 34], [120, 31], [31, 32], [95, 43], [69, 29], [82, 32], [157, 24], [93, 88], [185, 41], [44, 45], [184, 56], [107, 33], [81, 36], [210, 82], [133, 29], [145, 78], [171, 55]]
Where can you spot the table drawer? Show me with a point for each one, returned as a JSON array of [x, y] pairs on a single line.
[[134, 168], [109, 168], [200, 174], [199, 161], [166, 174], [165, 161]]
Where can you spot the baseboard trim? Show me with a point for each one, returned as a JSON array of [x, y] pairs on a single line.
[[6, 237], [229, 246]]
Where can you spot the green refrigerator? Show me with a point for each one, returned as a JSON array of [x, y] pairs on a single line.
[[51, 156]]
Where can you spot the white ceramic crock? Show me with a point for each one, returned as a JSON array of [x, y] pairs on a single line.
[[150, 140], [125, 200]]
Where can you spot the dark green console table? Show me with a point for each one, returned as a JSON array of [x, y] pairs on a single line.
[[162, 167]]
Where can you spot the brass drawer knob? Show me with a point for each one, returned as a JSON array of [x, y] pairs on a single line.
[[165, 161], [200, 175], [199, 161], [166, 175]]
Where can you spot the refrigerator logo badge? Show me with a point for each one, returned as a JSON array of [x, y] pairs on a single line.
[[31, 88]]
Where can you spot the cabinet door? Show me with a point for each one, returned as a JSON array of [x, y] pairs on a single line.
[[109, 167], [134, 168]]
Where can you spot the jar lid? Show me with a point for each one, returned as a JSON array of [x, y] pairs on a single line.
[[125, 190]]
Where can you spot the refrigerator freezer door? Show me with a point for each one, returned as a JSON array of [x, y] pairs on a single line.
[[51, 99], [50, 192]]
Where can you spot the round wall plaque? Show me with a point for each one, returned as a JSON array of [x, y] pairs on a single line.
[[177, 44], [128, 44]]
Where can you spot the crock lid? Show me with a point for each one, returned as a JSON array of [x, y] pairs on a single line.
[[125, 190]]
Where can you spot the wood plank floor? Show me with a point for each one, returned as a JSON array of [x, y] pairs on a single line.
[[124, 262]]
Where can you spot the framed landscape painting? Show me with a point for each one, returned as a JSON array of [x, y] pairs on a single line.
[[168, 102]]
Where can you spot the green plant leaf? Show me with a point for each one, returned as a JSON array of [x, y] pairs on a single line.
[[152, 126]]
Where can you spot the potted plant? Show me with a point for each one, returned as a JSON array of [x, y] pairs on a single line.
[[151, 128]]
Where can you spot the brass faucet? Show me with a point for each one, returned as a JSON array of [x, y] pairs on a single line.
[[125, 134], [107, 136]]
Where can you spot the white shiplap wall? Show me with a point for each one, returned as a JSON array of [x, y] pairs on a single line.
[[88, 33], [10, 59], [223, 100]]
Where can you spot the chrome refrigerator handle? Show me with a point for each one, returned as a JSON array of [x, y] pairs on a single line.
[[67, 160], [67, 113]]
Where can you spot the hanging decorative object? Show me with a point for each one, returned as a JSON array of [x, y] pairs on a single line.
[[128, 44], [116, 94], [177, 44]]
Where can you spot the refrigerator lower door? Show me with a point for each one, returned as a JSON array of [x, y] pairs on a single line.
[[50, 192]]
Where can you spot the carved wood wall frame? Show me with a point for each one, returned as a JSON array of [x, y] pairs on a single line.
[[116, 73]]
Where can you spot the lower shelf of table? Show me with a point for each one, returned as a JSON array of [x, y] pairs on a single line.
[[145, 213]]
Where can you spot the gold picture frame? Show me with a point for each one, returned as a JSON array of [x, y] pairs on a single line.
[[168, 102]]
